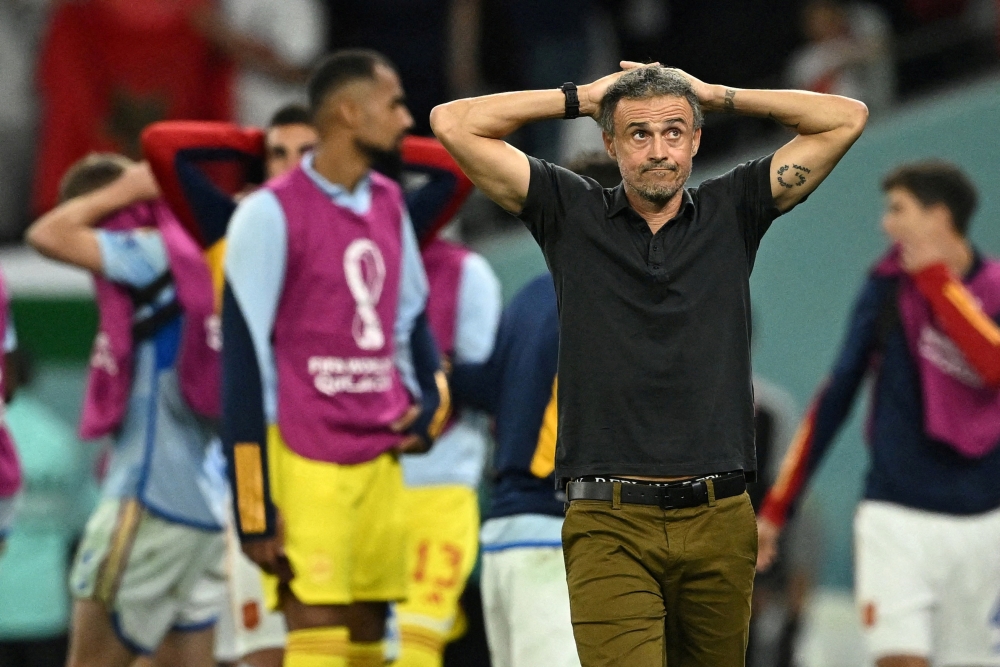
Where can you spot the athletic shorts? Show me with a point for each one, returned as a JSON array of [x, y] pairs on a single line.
[[153, 576], [245, 625], [928, 584], [443, 524], [526, 608], [345, 531]]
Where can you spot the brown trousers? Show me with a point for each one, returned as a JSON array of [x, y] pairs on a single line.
[[654, 588]]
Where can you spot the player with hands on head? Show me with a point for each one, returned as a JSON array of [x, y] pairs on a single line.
[[655, 402]]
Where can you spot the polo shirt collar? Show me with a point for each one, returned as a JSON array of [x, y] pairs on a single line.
[[619, 202]]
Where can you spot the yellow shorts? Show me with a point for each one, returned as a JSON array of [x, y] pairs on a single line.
[[344, 527], [443, 523]]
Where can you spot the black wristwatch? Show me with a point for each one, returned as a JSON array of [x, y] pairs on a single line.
[[572, 101]]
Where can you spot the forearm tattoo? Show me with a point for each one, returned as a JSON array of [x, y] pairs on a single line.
[[729, 103], [792, 180]]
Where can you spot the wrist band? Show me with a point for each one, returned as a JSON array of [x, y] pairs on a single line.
[[572, 101]]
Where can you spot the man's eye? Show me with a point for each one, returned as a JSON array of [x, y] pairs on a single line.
[[639, 135]]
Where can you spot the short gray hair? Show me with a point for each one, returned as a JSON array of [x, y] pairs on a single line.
[[643, 83]]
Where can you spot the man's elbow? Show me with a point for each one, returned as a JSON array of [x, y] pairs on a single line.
[[444, 121], [857, 117], [39, 236]]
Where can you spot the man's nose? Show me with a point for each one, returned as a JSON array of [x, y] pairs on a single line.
[[658, 148]]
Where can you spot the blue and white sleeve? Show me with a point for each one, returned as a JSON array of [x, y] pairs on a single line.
[[479, 307], [135, 258]]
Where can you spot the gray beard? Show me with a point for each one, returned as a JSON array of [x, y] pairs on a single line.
[[658, 195]]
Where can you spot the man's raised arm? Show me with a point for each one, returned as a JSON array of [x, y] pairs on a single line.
[[827, 126], [473, 129]]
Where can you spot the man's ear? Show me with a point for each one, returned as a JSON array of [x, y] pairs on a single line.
[[609, 145], [696, 142], [941, 215]]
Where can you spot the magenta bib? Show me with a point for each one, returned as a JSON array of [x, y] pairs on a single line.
[[959, 409], [338, 387], [198, 367]]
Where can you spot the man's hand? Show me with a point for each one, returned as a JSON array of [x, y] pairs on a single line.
[[412, 443], [712, 98], [591, 94], [269, 553], [767, 543]]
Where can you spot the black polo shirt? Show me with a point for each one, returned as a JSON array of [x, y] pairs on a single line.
[[654, 356]]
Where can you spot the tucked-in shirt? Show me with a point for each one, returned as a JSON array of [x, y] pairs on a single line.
[[458, 456], [654, 357], [259, 230], [161, 454]]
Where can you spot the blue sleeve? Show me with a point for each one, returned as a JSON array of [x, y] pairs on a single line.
[[435, 398], [830, 408], [211, 207], [426, 202], [255, 267], [478, 312], [852, 364], [413, 290], [135, 258]]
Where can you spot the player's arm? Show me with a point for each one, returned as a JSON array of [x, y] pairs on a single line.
[[435, 203], [826, 127], [176, 151], [67, 233], [824, 418], [255, 268], [473, 129]]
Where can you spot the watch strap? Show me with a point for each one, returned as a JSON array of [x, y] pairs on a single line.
[[572, 100]]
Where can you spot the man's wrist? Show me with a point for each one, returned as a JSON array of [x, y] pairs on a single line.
[[588, 106]]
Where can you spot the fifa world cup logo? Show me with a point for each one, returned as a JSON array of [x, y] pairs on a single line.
[[364, 269]]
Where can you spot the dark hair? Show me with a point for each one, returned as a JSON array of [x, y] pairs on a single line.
[[339, 68], [291, 114], [937, 182], [598, 166], [91, 173], [645, 82]]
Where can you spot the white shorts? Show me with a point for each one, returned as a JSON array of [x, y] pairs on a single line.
[[928, 584], [245, 625], [153, 576], [526, 608]]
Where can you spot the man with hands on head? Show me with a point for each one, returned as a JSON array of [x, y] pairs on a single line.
[[927, 532], [655, 401]]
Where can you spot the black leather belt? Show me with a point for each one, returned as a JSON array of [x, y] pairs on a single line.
[[689, 493]]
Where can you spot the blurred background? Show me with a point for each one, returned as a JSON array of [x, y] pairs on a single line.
[[84, 75]]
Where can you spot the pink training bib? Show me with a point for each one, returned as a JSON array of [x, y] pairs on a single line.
[[338, 387]]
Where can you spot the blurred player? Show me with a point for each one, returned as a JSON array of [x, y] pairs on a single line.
[[927, 534], [10, 467], [148, 573], [442, 505], [525, 599], [247, 631], [323, 305]]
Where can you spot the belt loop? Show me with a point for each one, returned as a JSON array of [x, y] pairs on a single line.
[[616, 495], [710, 484]]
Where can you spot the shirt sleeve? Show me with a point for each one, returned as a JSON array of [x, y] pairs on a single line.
[[413, 290], [256, 252], [479, 306], [971, 329], [551, 191], [135, 258], [750, 186]]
